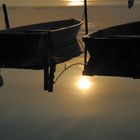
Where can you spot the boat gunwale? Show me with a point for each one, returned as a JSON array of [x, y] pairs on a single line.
[[65, 28], [38, 31], [114, 36], [111, 37]]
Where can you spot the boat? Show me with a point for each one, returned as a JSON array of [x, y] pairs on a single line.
[[114, 51], [40, 46]]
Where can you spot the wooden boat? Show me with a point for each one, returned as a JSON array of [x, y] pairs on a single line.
[[39, 46], [114, 51]]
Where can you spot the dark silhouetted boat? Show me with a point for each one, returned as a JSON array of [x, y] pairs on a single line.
[[114, 51], [40, 46]]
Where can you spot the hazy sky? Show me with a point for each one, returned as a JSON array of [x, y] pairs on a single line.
[[60, 2]]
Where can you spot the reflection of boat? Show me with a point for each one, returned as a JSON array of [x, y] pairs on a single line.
[[114, 51], [40, 45]]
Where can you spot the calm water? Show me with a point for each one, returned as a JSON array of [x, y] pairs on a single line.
[[109, 110]]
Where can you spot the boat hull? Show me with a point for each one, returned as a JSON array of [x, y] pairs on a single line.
[[29, 47], [114, 51]]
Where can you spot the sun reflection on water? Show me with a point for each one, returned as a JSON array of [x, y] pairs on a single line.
[[84, 83]]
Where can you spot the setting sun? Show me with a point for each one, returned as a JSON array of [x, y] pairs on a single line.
[[84, 83], [75, 2]]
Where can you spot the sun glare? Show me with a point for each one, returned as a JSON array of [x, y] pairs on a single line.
[[84, 83], [75, 2]]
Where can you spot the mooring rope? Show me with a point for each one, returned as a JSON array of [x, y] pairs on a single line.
[[65, 69]]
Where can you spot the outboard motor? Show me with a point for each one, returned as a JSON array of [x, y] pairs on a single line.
[[130, 3]]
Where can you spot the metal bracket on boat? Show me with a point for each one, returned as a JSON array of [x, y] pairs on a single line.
[[49, 70], [49, 63]]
